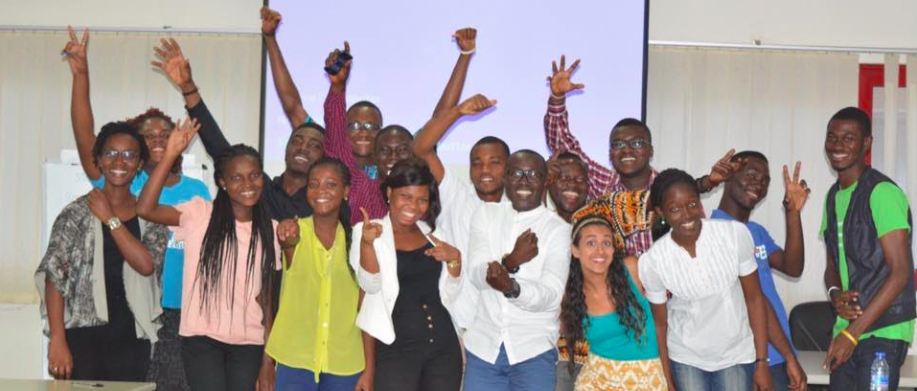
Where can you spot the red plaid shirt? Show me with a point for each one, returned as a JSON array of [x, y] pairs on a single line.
[[601, 179], [364, 192]]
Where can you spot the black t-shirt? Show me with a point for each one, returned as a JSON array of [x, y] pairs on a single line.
[[120, 317]]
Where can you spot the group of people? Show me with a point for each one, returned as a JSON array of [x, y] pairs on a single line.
[[368, 264]]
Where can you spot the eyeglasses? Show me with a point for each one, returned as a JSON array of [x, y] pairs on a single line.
[[358, 126], [519, 173], [127, 156], [637, 143]]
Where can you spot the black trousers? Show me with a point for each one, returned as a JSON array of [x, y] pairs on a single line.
[[166, 368], [98, 355], [211, 365], [426, 355], [853, 375]]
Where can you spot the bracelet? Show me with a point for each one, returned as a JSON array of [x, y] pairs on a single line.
[[452, 264], [850, 337], [558, 97], [831, 289], [189, 93], [468, 52], [764, 359]]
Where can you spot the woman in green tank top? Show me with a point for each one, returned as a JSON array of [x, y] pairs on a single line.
[[603, 303]]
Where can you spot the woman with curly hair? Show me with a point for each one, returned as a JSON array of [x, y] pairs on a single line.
[[604, 305]]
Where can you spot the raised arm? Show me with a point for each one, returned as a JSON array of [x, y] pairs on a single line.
[[466, 40], [557, 127], [148, 205], [80, 106], [337, 144], [792, 260], [178, 69], [283, 82], [436, 127]]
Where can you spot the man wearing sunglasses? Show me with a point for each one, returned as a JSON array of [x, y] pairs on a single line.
[[519, 259]]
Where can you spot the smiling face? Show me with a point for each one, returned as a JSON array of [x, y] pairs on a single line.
[[682, 210], [408, 204], [570, 189], [326, 190], [242, 180], [525, 191], [361, 141], [306, 145], [595, 248], [629, 161], [155, 132], [391, 147], [118, 169], [488, 164], [749, 186], [846, 144]]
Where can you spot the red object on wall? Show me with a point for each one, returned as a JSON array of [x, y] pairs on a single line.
[[871, 76]]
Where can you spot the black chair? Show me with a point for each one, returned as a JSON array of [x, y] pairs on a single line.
[[811, 324]]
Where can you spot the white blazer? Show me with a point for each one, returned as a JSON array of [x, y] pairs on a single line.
[[382, 288]]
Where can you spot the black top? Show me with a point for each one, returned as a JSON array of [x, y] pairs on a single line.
[[418, 277], [120, 318], [280, 204]]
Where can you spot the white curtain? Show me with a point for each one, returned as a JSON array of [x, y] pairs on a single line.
[[35, 116], [702, 102]]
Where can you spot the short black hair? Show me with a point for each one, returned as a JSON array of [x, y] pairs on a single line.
[[489, 140], [567, 155], [663, 182], [632, 122], [367, 104], [414, 172], [309, 125], [854, 114], [393, 129], [541, 161], [120, 127], [747, 154]]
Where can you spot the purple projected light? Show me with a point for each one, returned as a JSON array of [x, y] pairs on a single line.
[[404, 54]]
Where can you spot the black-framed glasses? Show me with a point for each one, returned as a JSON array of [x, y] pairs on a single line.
[[358, 126], [519, 173], [637, 143], [128, 156]]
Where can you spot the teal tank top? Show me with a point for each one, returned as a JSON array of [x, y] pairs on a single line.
[[611, 340]]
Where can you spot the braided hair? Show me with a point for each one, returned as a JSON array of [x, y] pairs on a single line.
[[573, 306], [218, 250], [663, 182]]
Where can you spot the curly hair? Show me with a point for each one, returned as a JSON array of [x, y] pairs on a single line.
[[112, 128], [151, 113], [573, 306]]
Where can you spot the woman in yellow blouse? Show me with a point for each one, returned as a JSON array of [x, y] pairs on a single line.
[[314, 340]]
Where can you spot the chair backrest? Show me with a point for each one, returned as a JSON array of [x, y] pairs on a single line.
[[811, 324]]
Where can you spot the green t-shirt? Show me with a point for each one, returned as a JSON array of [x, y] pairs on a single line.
[[889, 212]]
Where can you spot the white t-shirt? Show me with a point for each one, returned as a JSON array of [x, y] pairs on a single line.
[[708, 325]]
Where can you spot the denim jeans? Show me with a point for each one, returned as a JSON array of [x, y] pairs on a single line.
[[534, 374], [779, 377], [735, 378], [296, 379], [853, 375]]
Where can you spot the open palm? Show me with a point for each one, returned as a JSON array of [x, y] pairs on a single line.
[[173, 62], [560, 78]]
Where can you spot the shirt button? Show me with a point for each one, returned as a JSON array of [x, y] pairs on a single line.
[[424, 306], [431, 340], [430, 318], [325, 325], [430, 326]]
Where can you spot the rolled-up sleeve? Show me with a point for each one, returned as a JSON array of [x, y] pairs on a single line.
[[652, 283]]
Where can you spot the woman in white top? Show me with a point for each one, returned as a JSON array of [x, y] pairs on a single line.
[[711, 333], [410, 279]]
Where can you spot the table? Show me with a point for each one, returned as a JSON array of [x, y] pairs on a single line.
[[62, 385], [811, 363]]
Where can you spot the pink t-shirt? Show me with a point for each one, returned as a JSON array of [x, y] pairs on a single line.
[[236, 321]]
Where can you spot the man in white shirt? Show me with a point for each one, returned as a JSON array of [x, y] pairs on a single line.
[[519, 261]]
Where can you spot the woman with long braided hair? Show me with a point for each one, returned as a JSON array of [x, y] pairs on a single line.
[[604, 305], [231, 250]]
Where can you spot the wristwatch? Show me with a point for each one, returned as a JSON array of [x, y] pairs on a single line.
[[503, 262], [513, 293], [114, 223]]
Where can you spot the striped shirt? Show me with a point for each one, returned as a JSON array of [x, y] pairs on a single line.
[[602, 179], [364, 192]]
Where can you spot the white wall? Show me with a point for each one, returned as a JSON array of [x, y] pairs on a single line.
[[879, 23]]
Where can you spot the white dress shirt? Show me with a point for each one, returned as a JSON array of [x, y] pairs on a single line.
[[382, 288], [527, 325], [708, 325], [459, 202]]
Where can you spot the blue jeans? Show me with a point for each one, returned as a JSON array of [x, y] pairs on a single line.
[[534, 374], [854, 373], [296, 379], [779, 377], [735, 378]]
